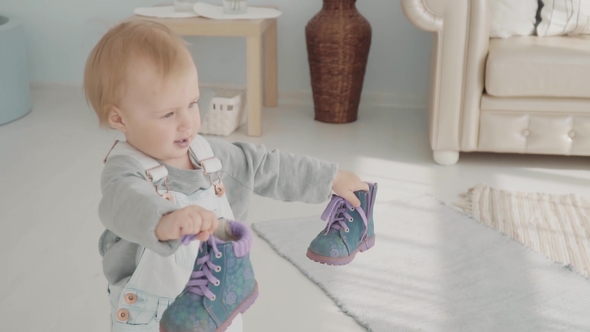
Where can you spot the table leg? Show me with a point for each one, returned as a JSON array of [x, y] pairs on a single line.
[[254, 87], [270, 66]]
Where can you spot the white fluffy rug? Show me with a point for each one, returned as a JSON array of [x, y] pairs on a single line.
[[435, 268]]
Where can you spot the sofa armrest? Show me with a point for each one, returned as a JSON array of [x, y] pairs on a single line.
[[457, 76], [421, 16]]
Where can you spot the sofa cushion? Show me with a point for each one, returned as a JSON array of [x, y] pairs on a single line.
[[539, 67]]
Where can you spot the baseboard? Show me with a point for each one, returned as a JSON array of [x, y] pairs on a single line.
[[368, 99], [296, 98], [222, 86]]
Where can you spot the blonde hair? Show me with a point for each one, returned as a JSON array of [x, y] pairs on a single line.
[[107, 65]]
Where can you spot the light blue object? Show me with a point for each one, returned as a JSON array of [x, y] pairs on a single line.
[[15, 94]]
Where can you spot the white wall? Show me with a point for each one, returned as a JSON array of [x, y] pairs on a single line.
[[61, 33]]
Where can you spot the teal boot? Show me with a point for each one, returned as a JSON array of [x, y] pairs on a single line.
[[221, 286], [349, 230]]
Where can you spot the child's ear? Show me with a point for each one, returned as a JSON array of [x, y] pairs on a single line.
[[115, 118]]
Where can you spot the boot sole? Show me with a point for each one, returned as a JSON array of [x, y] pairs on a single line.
[[248, 302], [363, 246]]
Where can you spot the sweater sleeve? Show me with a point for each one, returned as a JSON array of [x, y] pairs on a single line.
[[277, 174], [130, 206]]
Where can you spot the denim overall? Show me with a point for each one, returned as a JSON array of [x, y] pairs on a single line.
[[158, 280]]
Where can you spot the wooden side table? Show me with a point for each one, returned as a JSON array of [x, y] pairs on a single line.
[[254, 31]]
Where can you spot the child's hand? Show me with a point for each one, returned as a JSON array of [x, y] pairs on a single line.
[[346, 183], [187, 221]]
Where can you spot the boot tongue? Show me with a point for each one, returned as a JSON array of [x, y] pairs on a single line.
[[224, 232]]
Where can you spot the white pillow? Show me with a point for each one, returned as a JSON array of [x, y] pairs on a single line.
[[564, 17], [512, 18]]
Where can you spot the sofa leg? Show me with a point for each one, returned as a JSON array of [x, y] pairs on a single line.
[[446, 158]]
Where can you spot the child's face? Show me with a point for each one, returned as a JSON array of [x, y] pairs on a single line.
[[161, 117]]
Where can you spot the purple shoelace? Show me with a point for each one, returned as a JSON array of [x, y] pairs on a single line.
[[186, 239], [337, 213], [200, 279]]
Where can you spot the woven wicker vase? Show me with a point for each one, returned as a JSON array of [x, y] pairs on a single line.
[[338, 42]]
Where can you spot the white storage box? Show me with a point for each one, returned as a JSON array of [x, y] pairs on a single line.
[[225, 114]]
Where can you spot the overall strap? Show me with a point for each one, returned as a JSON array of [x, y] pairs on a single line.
[[153, 169], [201, 150]]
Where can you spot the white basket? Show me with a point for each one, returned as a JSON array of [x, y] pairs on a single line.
[[226, 113]]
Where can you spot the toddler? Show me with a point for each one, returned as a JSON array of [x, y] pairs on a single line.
[[166, 185]]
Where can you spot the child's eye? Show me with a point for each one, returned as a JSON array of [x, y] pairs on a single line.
[[192, 104], [169, 115]]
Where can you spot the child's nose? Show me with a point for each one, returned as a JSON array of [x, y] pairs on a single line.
[[185, 121]]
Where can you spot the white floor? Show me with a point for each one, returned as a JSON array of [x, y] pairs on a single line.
[[50, 163]]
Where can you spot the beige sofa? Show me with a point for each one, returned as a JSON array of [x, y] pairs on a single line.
[[517, 95]]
